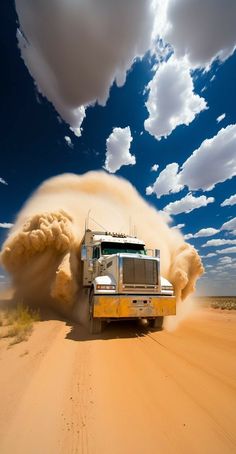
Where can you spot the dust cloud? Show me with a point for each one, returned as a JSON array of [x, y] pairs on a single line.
[[42, 251]]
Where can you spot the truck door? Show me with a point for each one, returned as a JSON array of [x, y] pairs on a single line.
[[96, 256]]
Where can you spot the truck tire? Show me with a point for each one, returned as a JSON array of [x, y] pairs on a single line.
[[95, 324], [157, 323]]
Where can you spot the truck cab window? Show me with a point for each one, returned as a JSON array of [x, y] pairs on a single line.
[[128, 248]]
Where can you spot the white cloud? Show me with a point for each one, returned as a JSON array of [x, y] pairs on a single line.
[[188, 236], [178, 226], [220, 118], [229, 225], [218, 242], [202, 233], [229, 202], [118, 146], [188, 204], [5, 225], [76, 50], [211, 254], [171, 100], [167, 181], [213, 162], [210, 231], [3, 181], [79, 115], [228, 250], [203, 30], [225, 260], [154, 168], [231, 266], [68, 141], [149, 190]]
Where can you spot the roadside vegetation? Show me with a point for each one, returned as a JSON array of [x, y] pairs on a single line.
[[219, 302], [16, 323]]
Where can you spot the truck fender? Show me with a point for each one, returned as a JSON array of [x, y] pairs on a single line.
[[107, 279]]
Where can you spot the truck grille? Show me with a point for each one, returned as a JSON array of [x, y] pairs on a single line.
[[139, 272]]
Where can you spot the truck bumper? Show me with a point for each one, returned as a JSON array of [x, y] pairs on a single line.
[[133, 306]]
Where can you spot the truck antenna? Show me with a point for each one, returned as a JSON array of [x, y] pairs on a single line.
[[104, 228], [87, 220]]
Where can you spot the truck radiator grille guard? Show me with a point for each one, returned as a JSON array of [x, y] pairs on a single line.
[[139, 272]]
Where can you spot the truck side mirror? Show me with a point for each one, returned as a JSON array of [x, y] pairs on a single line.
[[90, 265], [157, 253], [83, 253]]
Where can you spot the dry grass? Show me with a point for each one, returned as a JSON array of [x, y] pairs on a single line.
[[219, 302], [17, 323]]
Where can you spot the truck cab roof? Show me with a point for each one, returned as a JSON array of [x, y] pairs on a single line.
[[99, 238]]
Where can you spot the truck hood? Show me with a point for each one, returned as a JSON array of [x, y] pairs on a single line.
[[165, 282]]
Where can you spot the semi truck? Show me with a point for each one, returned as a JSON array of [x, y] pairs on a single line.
[[122, 280]]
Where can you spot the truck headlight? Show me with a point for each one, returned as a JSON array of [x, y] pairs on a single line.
[[105, 287]]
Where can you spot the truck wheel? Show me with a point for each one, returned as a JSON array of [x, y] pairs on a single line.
[[157, 323], [95, 324]]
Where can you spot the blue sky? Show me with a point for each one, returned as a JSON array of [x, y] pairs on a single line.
[[33, 144]]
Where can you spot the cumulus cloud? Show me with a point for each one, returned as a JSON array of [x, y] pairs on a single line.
[[229, 225], [226, 263], [216, 155], [69, 141], [202, 30], [211, 254], [3, 181], [178, 226], [188, 204], [218, 242], [188, 236], [213, 162], [232, 266], [229, 202], [225, 260], [210, 231], [76, 50], [228, 250], [118, 146], [149, 190], [167, 181], [202, 233], [171, 99], [76, 121], [5, 225], [220, 118], [154, 168]]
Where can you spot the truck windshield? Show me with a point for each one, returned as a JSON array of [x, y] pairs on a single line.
[[129, 248]]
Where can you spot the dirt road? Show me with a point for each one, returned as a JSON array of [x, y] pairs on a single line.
[[123, 393]]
